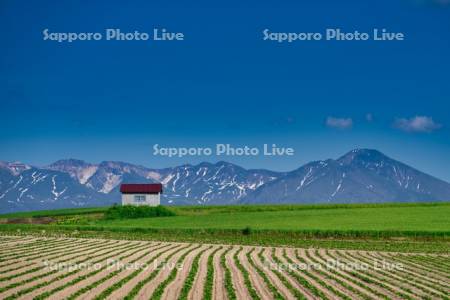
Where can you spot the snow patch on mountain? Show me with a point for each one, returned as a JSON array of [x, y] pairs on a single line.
[[86, 173], [54, 189], [112, 180]]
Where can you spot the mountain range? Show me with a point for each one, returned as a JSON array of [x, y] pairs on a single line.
[[360, 176]]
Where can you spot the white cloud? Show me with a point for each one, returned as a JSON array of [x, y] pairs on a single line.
[[417, 124], [340, 123]]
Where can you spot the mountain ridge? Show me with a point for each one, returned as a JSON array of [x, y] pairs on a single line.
[[371, 175], [360, 175]]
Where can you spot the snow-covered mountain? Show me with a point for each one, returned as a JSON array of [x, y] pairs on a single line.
[[359, 176], [75, 183], [34, 188], [77, 169], [206, 183]]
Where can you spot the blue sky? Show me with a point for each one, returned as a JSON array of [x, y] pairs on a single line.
[[108, 100]]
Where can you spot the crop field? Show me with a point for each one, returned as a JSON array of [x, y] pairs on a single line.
[[33, 267]]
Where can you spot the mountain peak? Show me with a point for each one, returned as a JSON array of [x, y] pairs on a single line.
[[67, 162], [365, 151], [15, 167], [362, 155], [76, 168], [223, 163], [227, 165]]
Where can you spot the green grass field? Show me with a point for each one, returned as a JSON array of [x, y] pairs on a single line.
[[407, 218], [56, 212], [410, 227]]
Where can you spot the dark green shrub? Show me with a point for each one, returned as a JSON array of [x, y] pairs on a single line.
[[133, 212], [247, 230]]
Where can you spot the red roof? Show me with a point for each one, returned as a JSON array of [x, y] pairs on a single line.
[[150, 188]]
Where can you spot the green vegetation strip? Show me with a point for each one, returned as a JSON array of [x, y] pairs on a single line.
[[158, 292], [422, 269], [209, 280], [41, 245], [48, 293], [17, 268], [33, 250], [30, 242], [231, 292], [133, 293], [201, 209], [299, 239], [61, 249], [134, 212], [412, 269], [436, 260], [6, 278], [28, 246], [33, 270], [358, 283], [187, 286], [9, 242], [42, 284], [329, 277], [414, 264], [438, 267], [14, 239], [85, 247], [46, 255], [297, 294], [403, 278], [123, 281], [316, 279], [409, 271], [110, 275], [368, 280], [55, 212], [44, 252], [380, 281], [248, 283], [302, 281], [270, 286]]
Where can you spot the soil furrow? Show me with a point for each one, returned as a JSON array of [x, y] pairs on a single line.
[[199, 281]]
